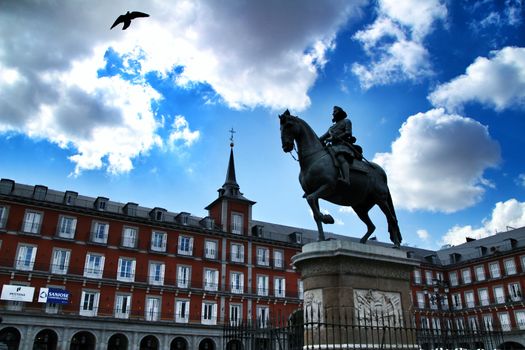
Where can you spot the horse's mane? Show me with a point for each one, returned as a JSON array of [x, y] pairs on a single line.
[[305, 124]]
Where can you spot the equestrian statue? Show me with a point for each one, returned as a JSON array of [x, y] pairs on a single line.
[[333, 169]]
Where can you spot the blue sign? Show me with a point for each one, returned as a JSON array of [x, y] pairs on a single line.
[[54, 296]]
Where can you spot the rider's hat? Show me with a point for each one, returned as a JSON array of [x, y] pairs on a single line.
[[338, 114]]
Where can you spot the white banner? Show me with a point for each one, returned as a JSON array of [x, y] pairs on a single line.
[[17, 293]]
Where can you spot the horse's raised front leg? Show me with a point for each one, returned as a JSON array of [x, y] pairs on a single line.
[[320, 218]]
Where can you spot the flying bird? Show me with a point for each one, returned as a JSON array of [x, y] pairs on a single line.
[[126, 19]]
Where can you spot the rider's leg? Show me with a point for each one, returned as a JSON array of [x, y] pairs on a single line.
[[344, 166]]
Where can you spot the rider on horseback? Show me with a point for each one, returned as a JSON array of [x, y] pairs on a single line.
[[342, 140]]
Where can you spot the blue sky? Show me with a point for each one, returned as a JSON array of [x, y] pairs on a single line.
[[435, 91]]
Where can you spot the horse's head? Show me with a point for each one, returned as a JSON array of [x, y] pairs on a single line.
[[288, 126]]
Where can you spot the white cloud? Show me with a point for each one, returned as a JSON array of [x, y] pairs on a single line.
[[437, 163], [521, 180], [423, 234], [394, 42], [181, 132], [497, 81], [508, 214], [250, 53]]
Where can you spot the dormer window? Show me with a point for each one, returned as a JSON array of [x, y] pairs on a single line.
[[70, 197], [130, 209], [157, 214], [296, 237], [101, 203], [455, 257], [482, 251], [257, 230], [7, 186], [208, 222], [39, 192], [183, 218]]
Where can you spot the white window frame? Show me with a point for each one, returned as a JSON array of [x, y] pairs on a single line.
[[429, 278], [122, 305], [93, 271], [89, 307], [60, 261], [514, 289], [510, 267], [67, 226], [236, 282], [182, 280], [182, 310], [32, 221], [480, 273], [126, 269], [466, 276], [263, 285], [185, 246], [417, 276], [4, 213], [456, 301], [211, 279], [158, 241], [279, 287], [152, 308], [520, 319], [209, 313], [237, 223], [156, 272], [504, 321], [278, 259], [453, 278], [499, 299], [522, 258], [129, 237], [488, 322], [237, 252], [211, 248], [483, 296], [469, 299], [420, 297], [100, 232], [263, 256], [235, 314], [25, 257], [495, 269], [263, 316]]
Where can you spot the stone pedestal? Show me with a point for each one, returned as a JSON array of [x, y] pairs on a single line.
[[356, 295]]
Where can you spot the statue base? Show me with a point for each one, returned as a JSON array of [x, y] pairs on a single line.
[[356, 296]]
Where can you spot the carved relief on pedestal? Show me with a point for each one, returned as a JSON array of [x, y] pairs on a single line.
[[377, 308], [313, 305]]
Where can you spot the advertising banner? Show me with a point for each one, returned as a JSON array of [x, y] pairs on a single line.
[[53, 295], [17, 293]]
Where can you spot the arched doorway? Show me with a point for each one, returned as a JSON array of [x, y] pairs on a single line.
[[234, 344], [149, 342], [10, 336], [118, 341], [207, 344], [179, 343], [83, 341], [46, 339]]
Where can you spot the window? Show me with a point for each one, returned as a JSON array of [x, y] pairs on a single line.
[[156, 273], [183, 276], [278, 261], [126, 269], [237, 282], [67, 226], [94, 265], [235, 314], [428, 278], [263, 315], [32, 221], [182, 310], [3, 216], [211, 280], [522, 263], [510, 267], [453, 278], [237, 223], [237, 252], [466, 276], [279, 284], [129, 237], [300, 289], [469, 299], [473, 323], [494, 270], [89, 303], [100, 232], [456, 301], [417, 276], [122, 305], [158, 241], [185, 245], [262, 285], [520, 319], [483, 295], [515, 291], [499, 295], [210, 249], [60, 261], [152, 309], [25, 258], [209, 313], [263, 256], [420, 296], [480, 273], [504, 320], [488, 322]]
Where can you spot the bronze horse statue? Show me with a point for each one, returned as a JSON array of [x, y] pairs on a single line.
[[319, 179]]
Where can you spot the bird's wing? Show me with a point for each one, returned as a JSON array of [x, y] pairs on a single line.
[[120, 19], [136, 14]]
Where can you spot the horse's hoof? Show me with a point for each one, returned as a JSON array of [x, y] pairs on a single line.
[[327, 219], [363, 241]]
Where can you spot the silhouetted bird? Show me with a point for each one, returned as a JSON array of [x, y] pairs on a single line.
[[126, 19]]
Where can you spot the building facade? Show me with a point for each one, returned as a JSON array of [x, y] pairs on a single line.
[[88, 273]]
